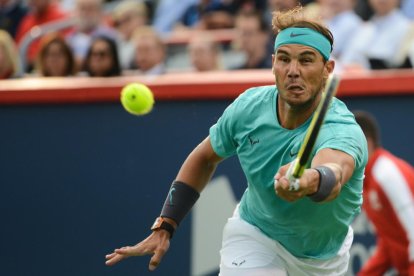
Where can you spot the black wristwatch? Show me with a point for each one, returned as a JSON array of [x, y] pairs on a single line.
[[160, 223]]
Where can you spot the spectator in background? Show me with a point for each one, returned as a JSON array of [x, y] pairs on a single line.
[[340, 17], [204, 53], [411, 51], [102, 58], [376, 44], [40, 12], [363, 9], [279, 5], [252, 36], [343, 21], [216, 14], [127, 17], [90, 24], [388, 203], [55, 57], [11, 14], [150, 52], [67, 5], [169, 13], [305, 2], [220, 14], [407, 6], [9, 57], [201, 14]]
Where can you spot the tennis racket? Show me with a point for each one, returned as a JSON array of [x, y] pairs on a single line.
[[298, 166]]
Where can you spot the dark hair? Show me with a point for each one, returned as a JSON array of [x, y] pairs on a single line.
[[369, 126], [296, 18], [45, 44], [115, 69]]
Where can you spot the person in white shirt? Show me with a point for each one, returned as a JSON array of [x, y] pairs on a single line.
[[342, 20], [127, 17], [376, 44], [150, 52]]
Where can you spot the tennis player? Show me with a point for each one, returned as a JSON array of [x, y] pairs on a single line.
[[275, 231], [389, 204]]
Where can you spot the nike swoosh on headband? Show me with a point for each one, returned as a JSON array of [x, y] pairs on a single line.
[[295, 35]]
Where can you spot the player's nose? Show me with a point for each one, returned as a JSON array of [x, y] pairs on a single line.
[[293, 69]]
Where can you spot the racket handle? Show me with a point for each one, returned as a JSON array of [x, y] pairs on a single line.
[[293, 181]]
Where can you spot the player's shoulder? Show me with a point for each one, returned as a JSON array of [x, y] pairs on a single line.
[[340, 114], [340, 122], [258, 92], [252, 99]]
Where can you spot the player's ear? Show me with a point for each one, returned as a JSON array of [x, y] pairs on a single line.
[[273, 64], [329, 67]]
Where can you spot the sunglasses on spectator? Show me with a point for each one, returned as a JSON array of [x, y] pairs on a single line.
[[100, 53], [122, 21]]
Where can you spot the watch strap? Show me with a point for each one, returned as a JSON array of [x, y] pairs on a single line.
[[160, 223]]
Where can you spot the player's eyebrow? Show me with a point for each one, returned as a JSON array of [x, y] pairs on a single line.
[[304, 53], [280, 51], [307, 52]]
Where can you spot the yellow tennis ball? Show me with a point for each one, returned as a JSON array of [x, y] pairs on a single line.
[[137, 99]]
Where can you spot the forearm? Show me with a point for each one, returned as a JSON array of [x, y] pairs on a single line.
[[340, 164], [198, 168], [193, 176], [337, 170]]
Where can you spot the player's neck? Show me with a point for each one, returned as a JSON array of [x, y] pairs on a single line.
[[291, 117]]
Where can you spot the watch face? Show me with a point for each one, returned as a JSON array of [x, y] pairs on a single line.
[[157, 223]]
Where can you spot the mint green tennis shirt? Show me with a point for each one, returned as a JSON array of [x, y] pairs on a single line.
[[249, 128]]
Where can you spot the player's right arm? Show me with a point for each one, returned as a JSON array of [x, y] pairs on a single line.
[[195, 173]]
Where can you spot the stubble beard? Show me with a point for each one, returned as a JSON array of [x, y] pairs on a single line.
[[301, 105]]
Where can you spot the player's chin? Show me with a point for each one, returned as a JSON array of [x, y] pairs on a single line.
[[297, 101], [296, 92]]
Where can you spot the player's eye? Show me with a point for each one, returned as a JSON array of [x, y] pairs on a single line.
[[306, 60], [283, 59]]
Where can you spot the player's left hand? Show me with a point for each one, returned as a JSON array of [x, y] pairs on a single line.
[[308, 184]]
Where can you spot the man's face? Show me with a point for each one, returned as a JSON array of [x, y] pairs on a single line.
[[300, 73], [203, 55], [128, 22], [383, 7], [282, 5], [249, 35], [89, 14], [148, 53]]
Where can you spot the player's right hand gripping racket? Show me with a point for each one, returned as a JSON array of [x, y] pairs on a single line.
[[298, 166]]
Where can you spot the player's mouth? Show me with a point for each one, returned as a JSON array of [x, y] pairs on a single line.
[[295, 88]]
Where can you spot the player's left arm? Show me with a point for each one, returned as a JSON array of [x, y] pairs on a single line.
[[337, 167], [341, 164]]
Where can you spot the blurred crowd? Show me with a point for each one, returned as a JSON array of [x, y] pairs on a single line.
[[100, 38]]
